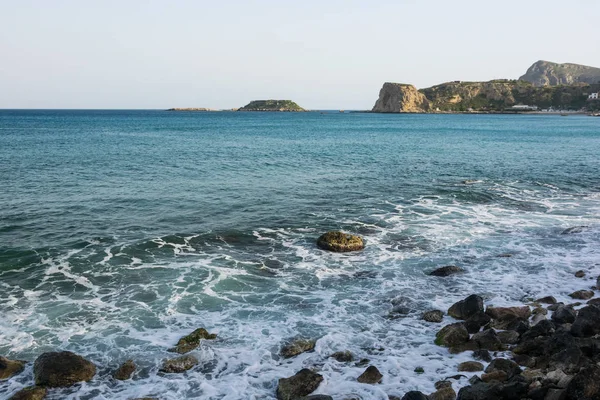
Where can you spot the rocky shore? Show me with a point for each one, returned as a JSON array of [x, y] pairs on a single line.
[[539, 349]]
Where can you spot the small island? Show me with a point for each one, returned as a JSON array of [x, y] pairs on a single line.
[[272, 105]]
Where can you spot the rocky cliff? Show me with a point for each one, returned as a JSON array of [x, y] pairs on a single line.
[[546, 73], [399, 98], [272, 105]]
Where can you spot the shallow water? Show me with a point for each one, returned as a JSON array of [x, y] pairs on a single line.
[[121, 231]]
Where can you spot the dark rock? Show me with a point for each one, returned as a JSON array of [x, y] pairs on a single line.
[[562, 351], [10, 368], [452, 335], [62, 369], [556, 394], [515, 388], [502, 364], [574, 229], [179, 365], [30, 393], [476, 321], [594, 302], [524, 360], [125, 371], [508, 317], [542, 328], [554, 307], [582, 295], [302, 384], [442, 384], [296, 347], [340, 242], [587, 322], [446, 271], [342, 356], [585, 385], [414, 395], [467, 307], [371, 375], [470, 366], [483, 355], [316, 397], [547, 300], [564, 315], [498, 376], [433, 316], [532, 374], [480, 391], [508, 337], [419, 370], [446, 393], [191, 341], [580, 274], [487, 340]]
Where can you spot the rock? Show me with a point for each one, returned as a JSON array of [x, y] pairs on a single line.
[[342, 356], [587, 322], [562, 351], [505, 317], [446, 271], [371, 375], [564, 315], [317, 397], [487, 340], [502, 364], [179, 365], [467, 307], [543, 328], [272, 105], [554, 307], [524, 360], [470, 366], [191, 341], [546, 300], [400, 98], [433, 316], [585, 385], [340, 242], [508, 337], [62, 369], [574, 229], [442, 384], [446, 393], [483, 355], [414, 395], [302, 384], [125, 371], [296, 347], [555, 376], [499, 376], [476, 321], [30, 393], [419, 370], [582, 295], [452, 335], [10, 368], [480, 391], [533, 374], [594, 302], [556, 394], [580, 274]]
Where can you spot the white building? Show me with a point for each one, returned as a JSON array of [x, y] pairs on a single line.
[[523, 107], [593, 96]]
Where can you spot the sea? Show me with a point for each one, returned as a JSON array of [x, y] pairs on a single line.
[[122, 231]]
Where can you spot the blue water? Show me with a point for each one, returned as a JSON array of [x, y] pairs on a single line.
[[121, 231]]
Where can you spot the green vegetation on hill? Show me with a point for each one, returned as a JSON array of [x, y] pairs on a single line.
[[272, 105]]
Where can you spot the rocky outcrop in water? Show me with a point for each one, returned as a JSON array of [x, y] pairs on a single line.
[[62, 369], [179, 365], [125, 371], [272, 105], [546, 73], [400, 98], [30, 393], [9, 368], [340, 242], [191, 341], [302, 384], [297, 346]]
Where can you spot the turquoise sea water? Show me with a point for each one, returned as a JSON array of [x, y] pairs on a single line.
[[121, 231]]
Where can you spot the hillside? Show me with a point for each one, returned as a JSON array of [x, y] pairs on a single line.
[[272, 105], [546, 73]]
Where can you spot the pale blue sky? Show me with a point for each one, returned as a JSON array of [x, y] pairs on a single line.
[[322, 54]]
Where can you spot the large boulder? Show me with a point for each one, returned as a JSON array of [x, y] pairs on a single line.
[[179, 365], [340, 242], [297, 346], [10, 368], [511, 368], [302, 384], [582, 294], [446, 271], [433, 316], [62, 369], [452, 335], [587, 322], [476, 321], [191, 341], [371, 375], [564, 314], [505, 317], [414, 395], [487, 340], [125, 371], [585, 385], [467, 307], [30, 393]]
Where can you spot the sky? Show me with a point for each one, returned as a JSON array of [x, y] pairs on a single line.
[[336, 54]]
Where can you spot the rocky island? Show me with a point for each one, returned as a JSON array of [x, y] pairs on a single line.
[[272, 105]]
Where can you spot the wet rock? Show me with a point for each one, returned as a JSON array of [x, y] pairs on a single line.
[[296, 347], [302, 384], [508, 317], [30, 393], [452, 335], [414, 395], [487, 340], [447, 271], [574, 229], [467, 307], [470, 366], [533, 374], [442, 384], [479, 391], [446, 393], [362, 362], [476, 321], [419, 370], [62, 369], [587, 322], [502, 364], [563, 351], [543, 328], [594, 302], [316, 397], [585, 385], [580, 274], [340, 242], [555, 376], [524, 360], [483, 355], [371, 375], [508, 337], [582, 295], [554, 307], [498, 376], [342, 356], [555, 394], [564, 315], [10, 368], [547, 300], [125, 371], [191, 341], [433, 316], [179, 365]]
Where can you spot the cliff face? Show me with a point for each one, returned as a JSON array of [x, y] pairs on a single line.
[[398, 98], [545, 73], [272, 105]]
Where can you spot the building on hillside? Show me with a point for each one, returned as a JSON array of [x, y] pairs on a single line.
[[523, 107], [593, 96]]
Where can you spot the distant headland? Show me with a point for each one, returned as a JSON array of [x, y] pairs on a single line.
[[272, 105]]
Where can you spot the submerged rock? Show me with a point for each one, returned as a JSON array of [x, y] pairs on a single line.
[[296, 347], [125, 371], [446, 271], [467, 307], [574, 229], [340, 242], [371, 375], [302, 384], [580, 274], [342, 356], [30, 393], [62, 369], [192, 341], [582, 295], [179, 365], [433, 316], [10, 368]]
